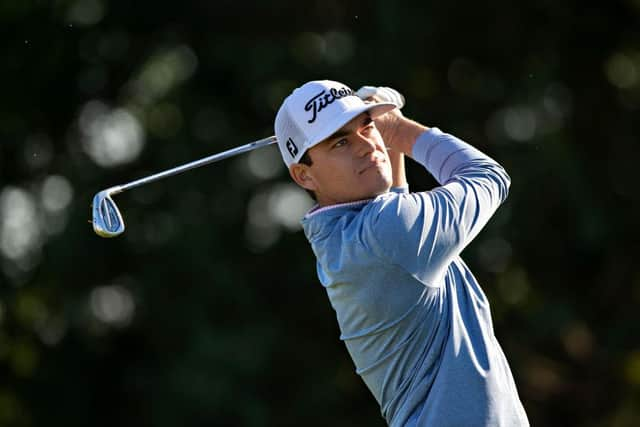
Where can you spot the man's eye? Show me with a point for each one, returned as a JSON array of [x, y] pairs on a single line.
[[340, 143]]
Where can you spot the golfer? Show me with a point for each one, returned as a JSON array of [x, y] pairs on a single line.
[[411, 314]]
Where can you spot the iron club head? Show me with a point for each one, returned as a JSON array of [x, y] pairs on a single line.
[[107, 220]]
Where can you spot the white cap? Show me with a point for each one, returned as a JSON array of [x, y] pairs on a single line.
[[316, 110]]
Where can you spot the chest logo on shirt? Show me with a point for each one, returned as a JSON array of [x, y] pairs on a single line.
[[320, 101]]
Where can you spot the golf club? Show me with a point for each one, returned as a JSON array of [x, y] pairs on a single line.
[[107, 220]]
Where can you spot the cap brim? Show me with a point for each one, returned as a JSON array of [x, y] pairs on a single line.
[[376, 110]]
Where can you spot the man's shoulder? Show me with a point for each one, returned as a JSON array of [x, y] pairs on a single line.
[[361, 212], [321, 222], [358, 215]]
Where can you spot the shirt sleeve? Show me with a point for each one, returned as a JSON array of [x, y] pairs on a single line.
[[401, 189], [423, 232]]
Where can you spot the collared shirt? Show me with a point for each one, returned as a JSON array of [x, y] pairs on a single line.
[[413, 317]]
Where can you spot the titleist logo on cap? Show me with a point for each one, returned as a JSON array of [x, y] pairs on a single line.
[[318, 102]]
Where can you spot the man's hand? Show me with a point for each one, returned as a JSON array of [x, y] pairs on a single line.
[[384, 94], [387, 125], [398, 132]]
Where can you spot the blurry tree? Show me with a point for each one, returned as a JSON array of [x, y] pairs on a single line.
[[207, 311]]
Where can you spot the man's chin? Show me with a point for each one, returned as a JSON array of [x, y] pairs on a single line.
[[381, 190]]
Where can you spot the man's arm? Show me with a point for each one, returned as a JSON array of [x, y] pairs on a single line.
[[397, 169], [423, 232], [399, 135]]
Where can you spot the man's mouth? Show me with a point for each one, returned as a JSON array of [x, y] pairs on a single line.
[[375, 162]]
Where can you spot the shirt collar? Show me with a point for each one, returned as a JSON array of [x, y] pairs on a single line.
[[334, 208]]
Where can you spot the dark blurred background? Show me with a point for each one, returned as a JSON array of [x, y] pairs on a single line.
[[207, 310]]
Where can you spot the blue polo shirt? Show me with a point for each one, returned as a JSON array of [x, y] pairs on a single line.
[[412, 316]]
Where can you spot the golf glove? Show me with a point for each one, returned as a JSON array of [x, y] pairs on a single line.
[[384, 94]]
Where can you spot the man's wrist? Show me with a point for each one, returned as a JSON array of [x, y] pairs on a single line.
[[407, 134]]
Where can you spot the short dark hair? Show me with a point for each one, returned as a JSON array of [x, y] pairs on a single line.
[[306, 160]]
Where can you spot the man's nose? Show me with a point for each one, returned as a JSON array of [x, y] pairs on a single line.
[[364, 145]]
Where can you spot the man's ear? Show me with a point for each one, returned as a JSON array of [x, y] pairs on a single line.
[[301, 174]]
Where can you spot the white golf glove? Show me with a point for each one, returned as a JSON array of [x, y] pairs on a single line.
[[385, 94]]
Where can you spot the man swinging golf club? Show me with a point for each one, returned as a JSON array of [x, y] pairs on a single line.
[[413, 318]]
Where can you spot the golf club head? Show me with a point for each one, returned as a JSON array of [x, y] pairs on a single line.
[[107, 221]]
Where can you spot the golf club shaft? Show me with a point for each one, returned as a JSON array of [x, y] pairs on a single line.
[[192, 165]]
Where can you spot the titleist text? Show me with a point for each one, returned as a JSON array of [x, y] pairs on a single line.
[[323, 99]]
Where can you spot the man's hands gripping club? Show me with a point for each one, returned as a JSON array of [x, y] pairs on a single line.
[[399, 133]]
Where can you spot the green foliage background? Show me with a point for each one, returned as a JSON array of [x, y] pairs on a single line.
[[207, 311]]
